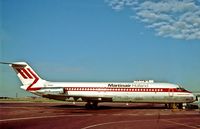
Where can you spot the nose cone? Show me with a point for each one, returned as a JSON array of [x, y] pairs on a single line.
[[195, 98]]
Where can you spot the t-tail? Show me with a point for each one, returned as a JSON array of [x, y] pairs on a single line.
[[29, 78]]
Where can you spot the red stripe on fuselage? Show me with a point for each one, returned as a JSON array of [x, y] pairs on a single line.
[[105, 89], [21, 73]]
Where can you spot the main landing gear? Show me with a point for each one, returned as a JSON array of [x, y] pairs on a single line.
[[91, 105], [174, 106]]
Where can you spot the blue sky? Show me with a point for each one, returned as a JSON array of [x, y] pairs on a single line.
[[94, 40]]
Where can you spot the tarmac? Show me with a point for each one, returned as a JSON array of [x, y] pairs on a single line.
[[70, 115]]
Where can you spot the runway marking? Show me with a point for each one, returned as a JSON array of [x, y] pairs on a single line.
[[133, 114], [180, 124], [102, 114], [40, 117], [62, 115], [164, 120], [14, 107], [116, 114], [115, 122]]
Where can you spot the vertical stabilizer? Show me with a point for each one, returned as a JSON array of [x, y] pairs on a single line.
[[29, 78]]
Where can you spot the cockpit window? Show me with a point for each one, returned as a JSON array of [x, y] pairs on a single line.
[[180, 89]]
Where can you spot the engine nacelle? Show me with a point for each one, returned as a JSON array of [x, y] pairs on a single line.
[[53, 91]]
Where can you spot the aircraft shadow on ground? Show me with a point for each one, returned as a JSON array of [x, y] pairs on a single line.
[[106, 107]]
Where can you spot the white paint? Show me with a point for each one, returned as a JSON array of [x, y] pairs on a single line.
[[115, 122], [121, 122], [41, 117]]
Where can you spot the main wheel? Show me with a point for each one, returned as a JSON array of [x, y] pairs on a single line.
[[95, 105], [88, 105], [91, 105]]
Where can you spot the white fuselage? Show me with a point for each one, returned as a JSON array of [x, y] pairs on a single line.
[[117, 92]]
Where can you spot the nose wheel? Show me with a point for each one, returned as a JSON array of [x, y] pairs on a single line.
[[91, 105]]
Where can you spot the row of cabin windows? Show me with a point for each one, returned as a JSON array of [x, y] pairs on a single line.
[[114, 89]]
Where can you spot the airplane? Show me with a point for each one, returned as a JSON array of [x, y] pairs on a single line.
[[140, 91]]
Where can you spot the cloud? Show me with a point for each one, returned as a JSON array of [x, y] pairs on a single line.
[[120, 4], [179, 19]]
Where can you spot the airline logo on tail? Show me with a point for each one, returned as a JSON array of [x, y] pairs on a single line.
[[27, 76]]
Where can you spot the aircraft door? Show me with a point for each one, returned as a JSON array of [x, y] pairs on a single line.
[[171, 92], [65, 91]]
